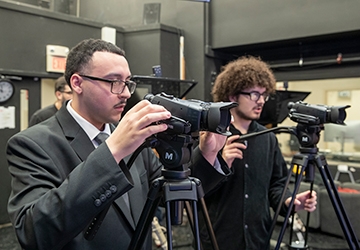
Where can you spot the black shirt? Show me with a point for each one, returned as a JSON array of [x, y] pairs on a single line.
[[239, 209]]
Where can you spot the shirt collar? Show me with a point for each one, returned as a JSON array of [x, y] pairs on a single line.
[[89, 129]]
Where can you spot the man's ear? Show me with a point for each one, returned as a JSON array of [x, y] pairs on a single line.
[[58, 95], [233, 98], [76, 83]]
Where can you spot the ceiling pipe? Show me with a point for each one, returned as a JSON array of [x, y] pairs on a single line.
[[303, 63]]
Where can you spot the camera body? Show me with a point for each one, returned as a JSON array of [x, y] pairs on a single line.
[[316, 114], [190, 116]]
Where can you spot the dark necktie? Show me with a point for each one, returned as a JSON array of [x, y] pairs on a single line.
[[101, 137]]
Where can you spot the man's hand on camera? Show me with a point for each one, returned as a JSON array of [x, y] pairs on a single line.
[[138, 124]]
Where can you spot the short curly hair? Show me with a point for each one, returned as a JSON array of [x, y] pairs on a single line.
[[242, 73]]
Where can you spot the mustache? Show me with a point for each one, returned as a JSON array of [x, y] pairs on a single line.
[[122, 102]]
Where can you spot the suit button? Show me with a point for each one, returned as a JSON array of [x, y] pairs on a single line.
[[108, 193], [97, 203], [113, 189], [103, 197]]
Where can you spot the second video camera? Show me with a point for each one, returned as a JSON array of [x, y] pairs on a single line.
[[316, 114]]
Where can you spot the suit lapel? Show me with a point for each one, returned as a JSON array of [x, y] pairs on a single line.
[[82, 145], [76, 136]]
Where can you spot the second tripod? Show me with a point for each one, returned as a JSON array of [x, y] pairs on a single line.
[[305, 162]]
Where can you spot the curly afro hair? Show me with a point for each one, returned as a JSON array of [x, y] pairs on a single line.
[[242, 73]]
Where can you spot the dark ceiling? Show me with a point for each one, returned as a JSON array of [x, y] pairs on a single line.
[[327, 46], [334, 51]]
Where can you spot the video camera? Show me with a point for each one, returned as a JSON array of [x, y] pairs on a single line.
[[193, 115], [316, 114], [174, 145]]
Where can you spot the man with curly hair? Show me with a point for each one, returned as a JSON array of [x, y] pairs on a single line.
[[239, 208]]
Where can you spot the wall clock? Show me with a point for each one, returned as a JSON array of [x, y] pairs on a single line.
[[6, 90]]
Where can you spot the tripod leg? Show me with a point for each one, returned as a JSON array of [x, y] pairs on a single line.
[[168, 225], [296, 188], [196, 225], [308, 215], [190, 216], [146, 217], [277, 212], [193, 219], [344, 221], [292, 223], [292, 214], [207, 222]]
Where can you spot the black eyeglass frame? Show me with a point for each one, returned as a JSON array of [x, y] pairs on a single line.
[[66, 92], [127, 83], [255, 96]]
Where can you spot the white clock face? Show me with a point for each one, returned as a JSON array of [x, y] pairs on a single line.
[[6, 90]]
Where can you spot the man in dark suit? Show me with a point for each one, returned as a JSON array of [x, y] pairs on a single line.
[[63, 177]]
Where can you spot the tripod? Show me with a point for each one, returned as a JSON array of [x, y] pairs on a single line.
[[306, 161], [176, 188]]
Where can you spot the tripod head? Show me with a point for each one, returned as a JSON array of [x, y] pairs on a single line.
[[308, 135], [174, 153]]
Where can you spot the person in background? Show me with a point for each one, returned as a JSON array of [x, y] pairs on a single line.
[[239, 208], [64, 175], [63, 93]]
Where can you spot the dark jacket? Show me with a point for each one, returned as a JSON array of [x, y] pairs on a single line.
[[60, 183], [239, 208], [42, 114]]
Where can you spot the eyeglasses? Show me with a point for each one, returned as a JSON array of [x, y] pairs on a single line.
[[67, 92], [255, 96], [117, 86]]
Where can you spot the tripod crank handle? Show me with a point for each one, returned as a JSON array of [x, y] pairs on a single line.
[[95, 224]]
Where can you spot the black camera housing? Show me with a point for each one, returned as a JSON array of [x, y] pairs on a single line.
[[316, 114], [190, 116]]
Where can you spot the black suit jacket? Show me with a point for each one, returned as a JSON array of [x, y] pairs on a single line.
[[60, 183]]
